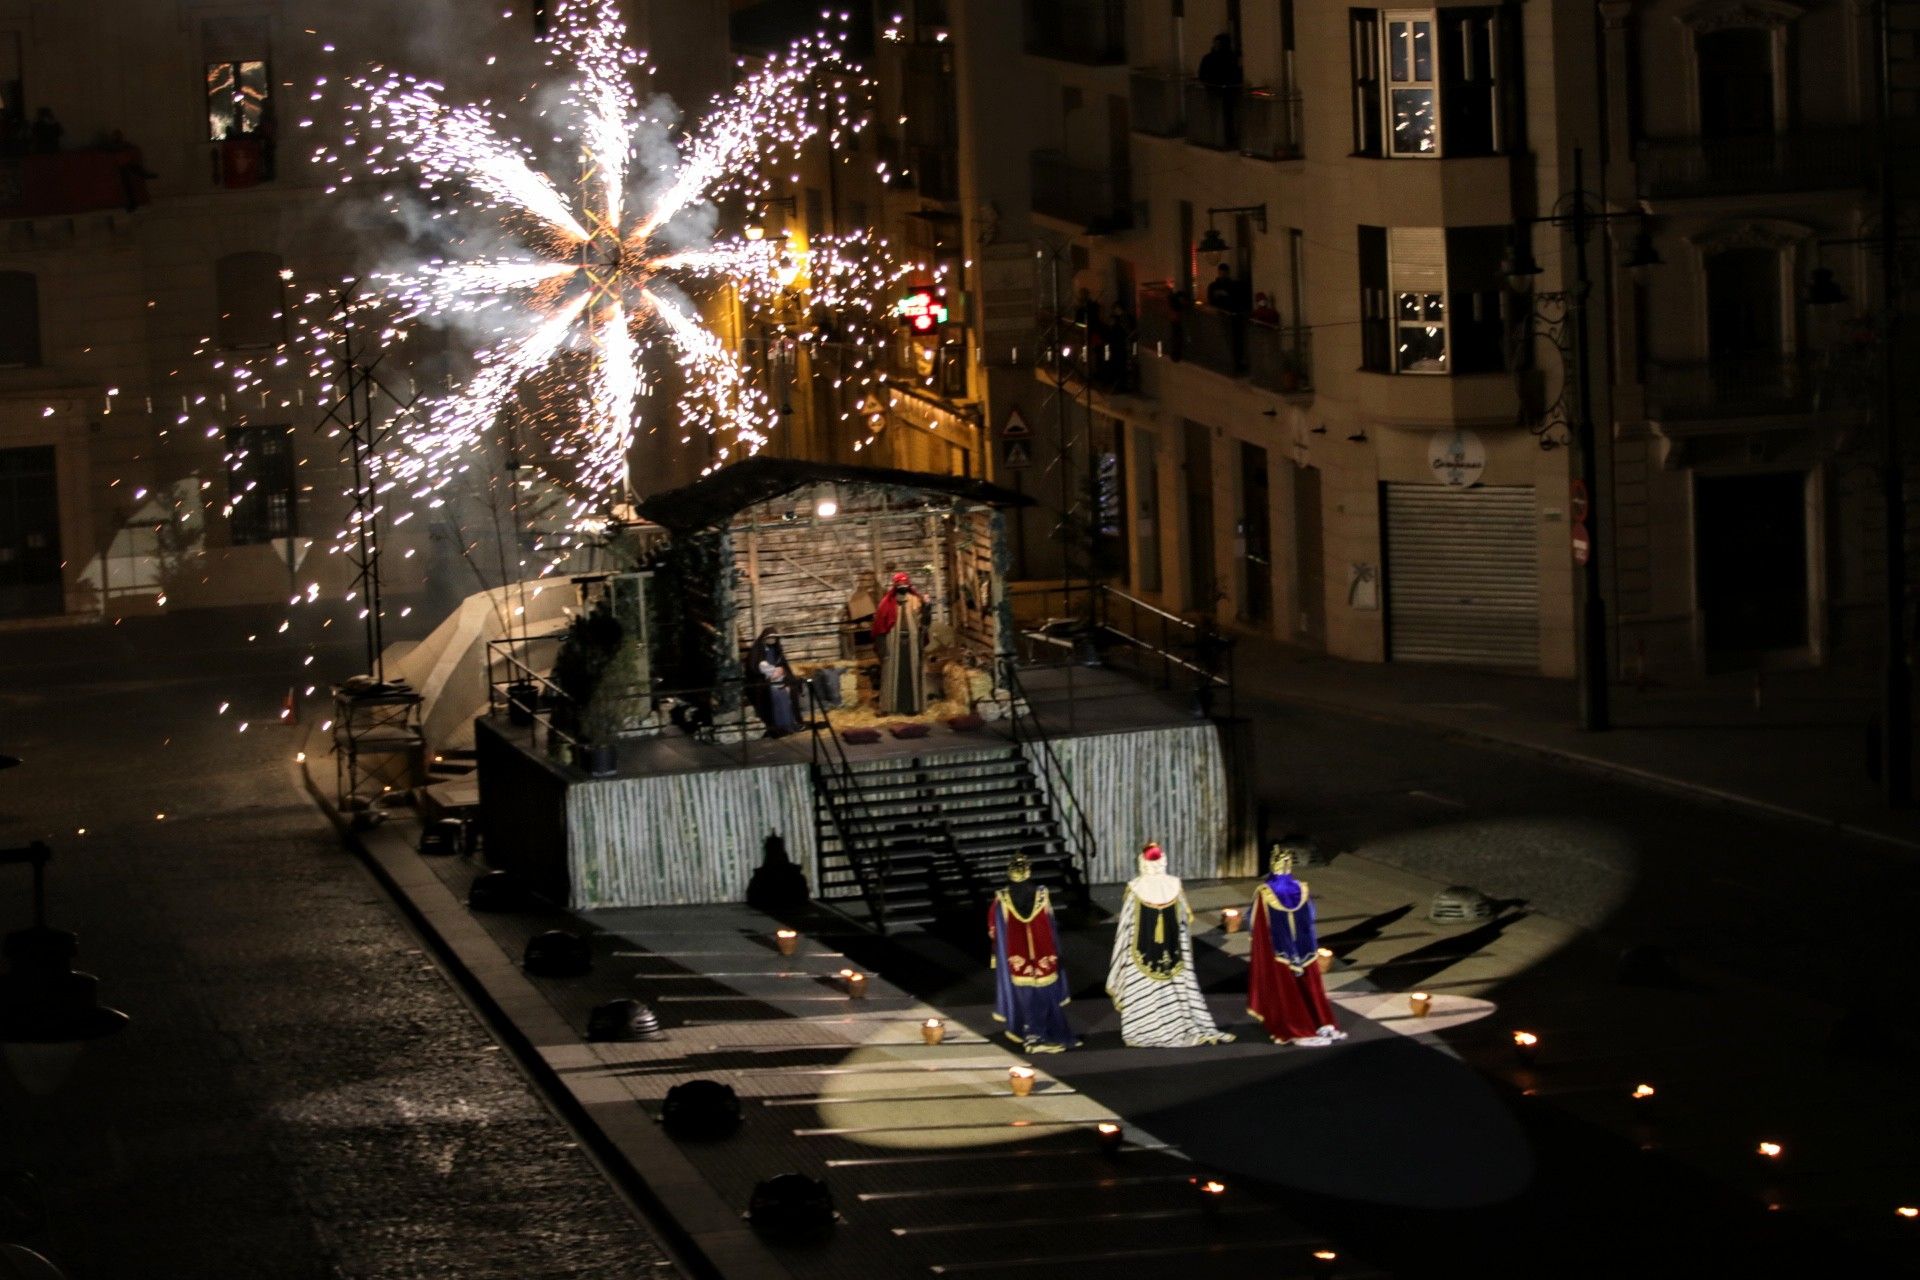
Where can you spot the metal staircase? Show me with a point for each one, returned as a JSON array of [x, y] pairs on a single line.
[[923, 836]]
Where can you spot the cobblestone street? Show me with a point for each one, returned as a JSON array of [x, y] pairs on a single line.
[[301, 1092]]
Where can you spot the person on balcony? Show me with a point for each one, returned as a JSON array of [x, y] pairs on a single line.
[[1264, 312], [1220, 73], [1227, 296]]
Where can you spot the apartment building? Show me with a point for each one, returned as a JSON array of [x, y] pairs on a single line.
[[1363, 443]]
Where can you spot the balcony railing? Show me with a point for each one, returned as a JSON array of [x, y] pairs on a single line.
[[1272, 357], [1097, 199], [1809, 160], [1213, 118], [33, 186], [1270, 128], [1159, 108], [1092, 32], [1747, 386]]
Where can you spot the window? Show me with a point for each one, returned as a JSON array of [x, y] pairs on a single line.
[[1412, 86], [248, 287], [1426, 84], [237, 93], [19, 320], [260, 486], [1430, 300]]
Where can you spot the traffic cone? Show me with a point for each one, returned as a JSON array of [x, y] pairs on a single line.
[[290, 709]]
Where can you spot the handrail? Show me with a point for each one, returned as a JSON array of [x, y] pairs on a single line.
[[1057, 784], [817, 720]]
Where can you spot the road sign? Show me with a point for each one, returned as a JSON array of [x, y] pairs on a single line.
[[1577, 502], [1016, 455], [1014, 426], [1582, 544]]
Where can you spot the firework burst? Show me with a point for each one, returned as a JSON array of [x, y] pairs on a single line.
[[592, 289]]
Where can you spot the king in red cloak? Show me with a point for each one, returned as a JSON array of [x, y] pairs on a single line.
[[1284, 988], [1030, 991], [900, 635]]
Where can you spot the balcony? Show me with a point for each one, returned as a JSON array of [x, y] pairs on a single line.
[[1159, 107], [1270, 125], [65, 182], [1271, 357], [1809, 160], [1098, 200], [1090, 32], [1745, 387]]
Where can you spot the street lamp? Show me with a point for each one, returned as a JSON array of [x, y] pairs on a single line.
[[1575, 212], [48, 1009]]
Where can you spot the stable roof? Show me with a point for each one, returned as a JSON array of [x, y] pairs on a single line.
[[717, 498]]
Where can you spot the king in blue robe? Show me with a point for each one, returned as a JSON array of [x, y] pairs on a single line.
[[1030, 991]]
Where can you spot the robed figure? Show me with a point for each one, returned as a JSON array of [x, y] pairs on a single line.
[[776, 691], [900, 634], [1151, 977], [1284, 988], [1030, 991]]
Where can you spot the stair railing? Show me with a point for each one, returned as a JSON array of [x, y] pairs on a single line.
[[830, 757], [1079, 830]]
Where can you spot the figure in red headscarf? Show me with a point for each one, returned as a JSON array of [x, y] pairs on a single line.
[[900, 635]]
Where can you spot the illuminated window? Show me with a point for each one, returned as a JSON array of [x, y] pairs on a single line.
[[237, 98], [1427, 83]]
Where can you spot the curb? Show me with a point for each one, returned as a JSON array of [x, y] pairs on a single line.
[[1595, 764], [704, 1236]]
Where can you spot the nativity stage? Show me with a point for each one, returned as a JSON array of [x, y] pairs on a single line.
[[825, 661]]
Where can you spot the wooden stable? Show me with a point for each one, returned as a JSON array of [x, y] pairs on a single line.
[[806, 548]]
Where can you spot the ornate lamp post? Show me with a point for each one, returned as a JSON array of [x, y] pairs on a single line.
[[1578, 212]]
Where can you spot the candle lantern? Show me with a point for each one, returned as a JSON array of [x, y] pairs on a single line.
[[1110, 1136], [933, 1031], [786, 940], [855, 982], [1526, 1045], [1230, 919], [1020, 1080], [1324, 958], [1421, 1003]]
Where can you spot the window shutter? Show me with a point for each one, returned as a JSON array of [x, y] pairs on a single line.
[[1469, 67], [1364, 36], [1419, 258], [1376, 325]]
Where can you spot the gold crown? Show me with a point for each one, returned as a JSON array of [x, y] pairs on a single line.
[[1281, 860], [1020, 867]]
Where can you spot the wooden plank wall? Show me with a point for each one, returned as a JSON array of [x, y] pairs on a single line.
[[798, 575], [1167, 785], [684, 837]]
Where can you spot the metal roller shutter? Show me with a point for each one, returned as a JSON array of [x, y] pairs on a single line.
[[1463, 574]]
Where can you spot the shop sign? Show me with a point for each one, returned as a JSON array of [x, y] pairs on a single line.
[[1456, 458]]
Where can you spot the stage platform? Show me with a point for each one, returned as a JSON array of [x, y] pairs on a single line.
[[686, 821]]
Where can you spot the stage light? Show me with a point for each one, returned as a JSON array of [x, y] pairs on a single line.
[[497, 891], [828, 504], [557, 954], [792, 1207], [623, 1020], [700, 1111]]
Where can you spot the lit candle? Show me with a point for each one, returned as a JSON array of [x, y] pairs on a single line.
[[1771, 1150], [1526, 1044], [1110, 1134], [1020, 1080], [786, 940], [1230, 919], [1908, 1211], [1325, 1255], [1325, 958], [856, 983], [1209, 1187], [1641, 1092], [1421, 1003], [932, 1031]]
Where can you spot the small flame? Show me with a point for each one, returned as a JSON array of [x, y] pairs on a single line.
[[1771, 1150], [1643, 1091], [1525, 1039]]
